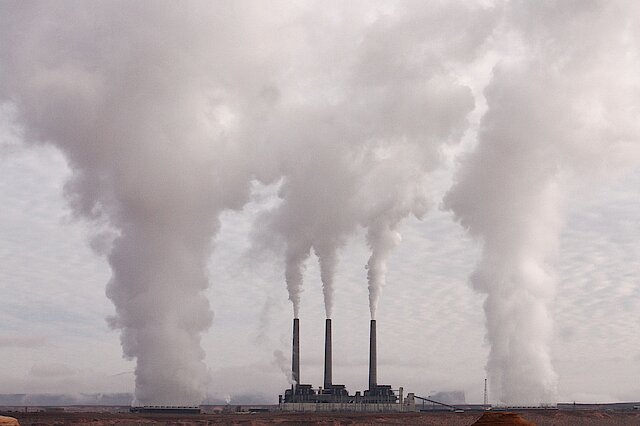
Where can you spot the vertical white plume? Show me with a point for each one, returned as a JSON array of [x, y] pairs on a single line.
[[359, 151], [382, 238], [557, 109], [294, 270], [130, 95]]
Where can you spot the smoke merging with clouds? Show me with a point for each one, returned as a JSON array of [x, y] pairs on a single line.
[[382, 226], [359, 152], [141, 112], [563, 107], [166, 114]]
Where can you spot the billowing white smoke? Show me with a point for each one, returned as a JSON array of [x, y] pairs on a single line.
[[316, 212], [130, 95], [166, 112], [388, 207], [382, 239], [359, 151], [565, 104]]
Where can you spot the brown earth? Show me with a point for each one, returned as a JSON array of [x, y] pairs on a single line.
[[541, 418], [506, 419], [8, 421]]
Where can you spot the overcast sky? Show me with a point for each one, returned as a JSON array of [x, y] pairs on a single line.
[[54, 336]]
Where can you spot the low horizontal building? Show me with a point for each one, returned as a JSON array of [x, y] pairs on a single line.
[[166, 409]]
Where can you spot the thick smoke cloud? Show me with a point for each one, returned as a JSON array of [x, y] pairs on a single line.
[[141, 106], [562, 106], [358, 153], [166, 113]]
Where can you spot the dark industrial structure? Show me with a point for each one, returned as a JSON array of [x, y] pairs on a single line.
[[327, 355], [376, 393], [165, 409], [298, 391], [295, 358], [334, 394]]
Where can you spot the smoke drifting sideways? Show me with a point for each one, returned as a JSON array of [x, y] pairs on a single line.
[[560, 113], [358, 154], [143, 100]]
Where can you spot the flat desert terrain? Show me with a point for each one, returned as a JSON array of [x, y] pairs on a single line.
[[556, 418]]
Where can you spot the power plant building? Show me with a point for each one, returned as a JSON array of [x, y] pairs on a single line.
[[332, 397]]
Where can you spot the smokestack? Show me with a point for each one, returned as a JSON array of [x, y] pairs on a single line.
[[373, 358], [327, 355], [295, 359]]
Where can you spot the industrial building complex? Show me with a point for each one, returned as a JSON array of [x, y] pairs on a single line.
[[332, 397]]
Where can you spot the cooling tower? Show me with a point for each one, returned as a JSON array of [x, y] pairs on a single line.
[[327, 355], [295, 358], [373, 358]]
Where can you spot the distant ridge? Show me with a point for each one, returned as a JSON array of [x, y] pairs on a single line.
[[122, 398], [46, 399]]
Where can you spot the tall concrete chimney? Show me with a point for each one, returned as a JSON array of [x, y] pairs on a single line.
[[373, 358], [327, 354], [295, 358]]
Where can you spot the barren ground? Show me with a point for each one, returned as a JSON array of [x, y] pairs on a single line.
[[557, 418]]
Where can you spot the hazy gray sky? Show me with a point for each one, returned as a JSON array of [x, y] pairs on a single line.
[[321, 130]]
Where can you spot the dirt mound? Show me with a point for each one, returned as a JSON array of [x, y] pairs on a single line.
[[503, 419], [8, 421]]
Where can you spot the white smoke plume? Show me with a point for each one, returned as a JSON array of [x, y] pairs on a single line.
[[138, 99], [562, 106], [359, 152], [166, 113], [388, 209]]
